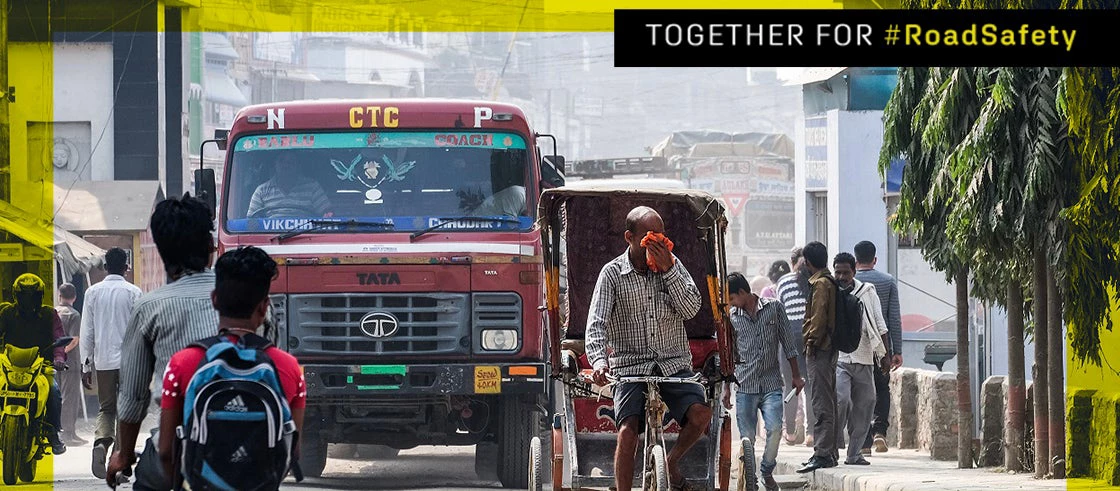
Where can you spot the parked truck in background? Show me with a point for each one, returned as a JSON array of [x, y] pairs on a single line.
[[410, 281]]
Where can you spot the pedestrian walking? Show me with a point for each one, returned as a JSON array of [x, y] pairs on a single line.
[[791, 290], [887, 288], [164, 321], [638, 309], [778, 269], [855, 379], [105, 314], [216, 460], [765, 342], [821, 356], [70, 380]]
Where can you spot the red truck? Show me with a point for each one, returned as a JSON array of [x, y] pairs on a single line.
[[410, 283]]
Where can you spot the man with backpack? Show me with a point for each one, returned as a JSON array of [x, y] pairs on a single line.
[[233, 404], [820, 355], [855, 379]]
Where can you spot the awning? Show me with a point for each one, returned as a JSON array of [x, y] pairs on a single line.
[[74, 254], [815, 74], [220, 88], [217, 46], [293, 74]]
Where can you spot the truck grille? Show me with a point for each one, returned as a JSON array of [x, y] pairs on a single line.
[[331, 324]]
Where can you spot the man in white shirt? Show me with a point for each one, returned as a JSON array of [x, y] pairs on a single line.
[[855, 371], [105, 315]]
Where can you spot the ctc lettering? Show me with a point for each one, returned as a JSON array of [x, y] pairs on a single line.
[[388, 117]]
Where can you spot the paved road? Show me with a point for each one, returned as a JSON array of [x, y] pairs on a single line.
[[427, 468]]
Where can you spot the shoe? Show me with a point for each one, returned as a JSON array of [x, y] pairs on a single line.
[[865, 451], [57, 447], [817, 463], [880, 443], [857, 461], [75, 440], [769, 483], [100, 452]]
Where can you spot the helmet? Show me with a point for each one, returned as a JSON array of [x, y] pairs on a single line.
[[28, 283]]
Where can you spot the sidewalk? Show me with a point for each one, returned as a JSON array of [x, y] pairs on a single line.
[[908, 470]]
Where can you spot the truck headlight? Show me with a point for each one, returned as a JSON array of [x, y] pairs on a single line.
[[499, 339]]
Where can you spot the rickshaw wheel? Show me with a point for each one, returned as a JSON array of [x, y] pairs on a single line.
[[659, 479], [536, 465], [746, 478]]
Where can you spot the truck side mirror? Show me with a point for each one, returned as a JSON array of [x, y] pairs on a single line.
[[222, 136], [552, 171], [204, 187]]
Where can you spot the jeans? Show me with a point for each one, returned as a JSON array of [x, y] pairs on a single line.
[[747, 407]]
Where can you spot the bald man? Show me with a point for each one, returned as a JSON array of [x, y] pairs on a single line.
[[640, 314]]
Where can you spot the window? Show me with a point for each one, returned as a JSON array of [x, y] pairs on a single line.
[[819, 210]]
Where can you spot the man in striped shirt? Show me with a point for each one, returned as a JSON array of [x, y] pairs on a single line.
[[791, 292], [163, 322], [640, 314], [887, 288], [764, 339], [288, 194]]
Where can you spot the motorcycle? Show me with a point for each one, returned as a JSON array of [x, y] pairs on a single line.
[[25, 380]]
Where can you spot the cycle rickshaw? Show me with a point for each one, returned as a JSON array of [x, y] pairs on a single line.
[[582, 230]]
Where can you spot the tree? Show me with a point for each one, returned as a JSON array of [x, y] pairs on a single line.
[[927, 116]]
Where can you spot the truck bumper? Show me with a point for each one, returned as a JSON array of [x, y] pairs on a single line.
[[450, 379]]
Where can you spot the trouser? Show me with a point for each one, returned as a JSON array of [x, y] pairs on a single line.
[[855, 404], [54, 409], [795, 407], [882, 407], [822, 385], [747, 407], [107, 383], [70, 384]]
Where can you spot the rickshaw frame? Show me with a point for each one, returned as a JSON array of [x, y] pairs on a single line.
[[711, 224]]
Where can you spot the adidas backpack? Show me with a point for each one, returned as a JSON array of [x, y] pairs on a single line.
[[849, 320], [237, 432]]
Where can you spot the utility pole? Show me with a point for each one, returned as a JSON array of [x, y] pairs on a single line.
[[5, 128]]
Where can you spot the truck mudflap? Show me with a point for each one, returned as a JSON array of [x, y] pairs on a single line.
[[449, 379]]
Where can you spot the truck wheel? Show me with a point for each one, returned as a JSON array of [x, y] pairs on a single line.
[[377, 452], [313, 455], [518, 423]]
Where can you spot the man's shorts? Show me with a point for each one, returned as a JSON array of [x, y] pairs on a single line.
[[630, 400]]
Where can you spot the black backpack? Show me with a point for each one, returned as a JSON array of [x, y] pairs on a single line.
[[849, 320], [237, 430]]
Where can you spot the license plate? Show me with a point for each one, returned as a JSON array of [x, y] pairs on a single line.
[[16, 393]]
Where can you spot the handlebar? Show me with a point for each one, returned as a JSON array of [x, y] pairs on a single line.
[[585, 376]]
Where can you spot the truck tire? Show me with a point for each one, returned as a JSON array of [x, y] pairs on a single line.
[[312, 455], [518, 423]]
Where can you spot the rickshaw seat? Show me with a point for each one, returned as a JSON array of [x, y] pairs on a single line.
[[701, 350]]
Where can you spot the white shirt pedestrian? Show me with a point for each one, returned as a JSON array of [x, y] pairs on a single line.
[[871, 348], [105, 314]]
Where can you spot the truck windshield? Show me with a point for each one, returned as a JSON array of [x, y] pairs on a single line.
[[409, 179]]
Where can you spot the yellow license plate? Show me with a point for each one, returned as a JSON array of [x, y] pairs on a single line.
[[487, 380], [16, 393]]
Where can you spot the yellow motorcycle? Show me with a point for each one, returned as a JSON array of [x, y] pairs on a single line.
[[25, 381]]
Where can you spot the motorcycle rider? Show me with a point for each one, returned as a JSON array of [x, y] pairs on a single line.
[[28, 323]]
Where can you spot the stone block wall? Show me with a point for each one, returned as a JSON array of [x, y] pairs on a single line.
[[904, 405], [1093, 435]]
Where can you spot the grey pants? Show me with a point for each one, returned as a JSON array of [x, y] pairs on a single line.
[[855, 404], [107, 383], [794, 406], [70, 384], [822, 386]]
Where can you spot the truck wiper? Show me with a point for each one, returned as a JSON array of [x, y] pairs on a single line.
[[324, 224], [447, 220]]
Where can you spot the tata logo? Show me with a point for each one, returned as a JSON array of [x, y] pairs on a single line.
[[379, 324], [379, 279]]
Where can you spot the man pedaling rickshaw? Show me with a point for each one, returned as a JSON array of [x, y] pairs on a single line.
[[28, 323], [639, 306]]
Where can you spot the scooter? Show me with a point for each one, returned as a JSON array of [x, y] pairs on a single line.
[[25, 380]]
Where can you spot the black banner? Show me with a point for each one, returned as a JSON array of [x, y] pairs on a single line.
[[808, 38]]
